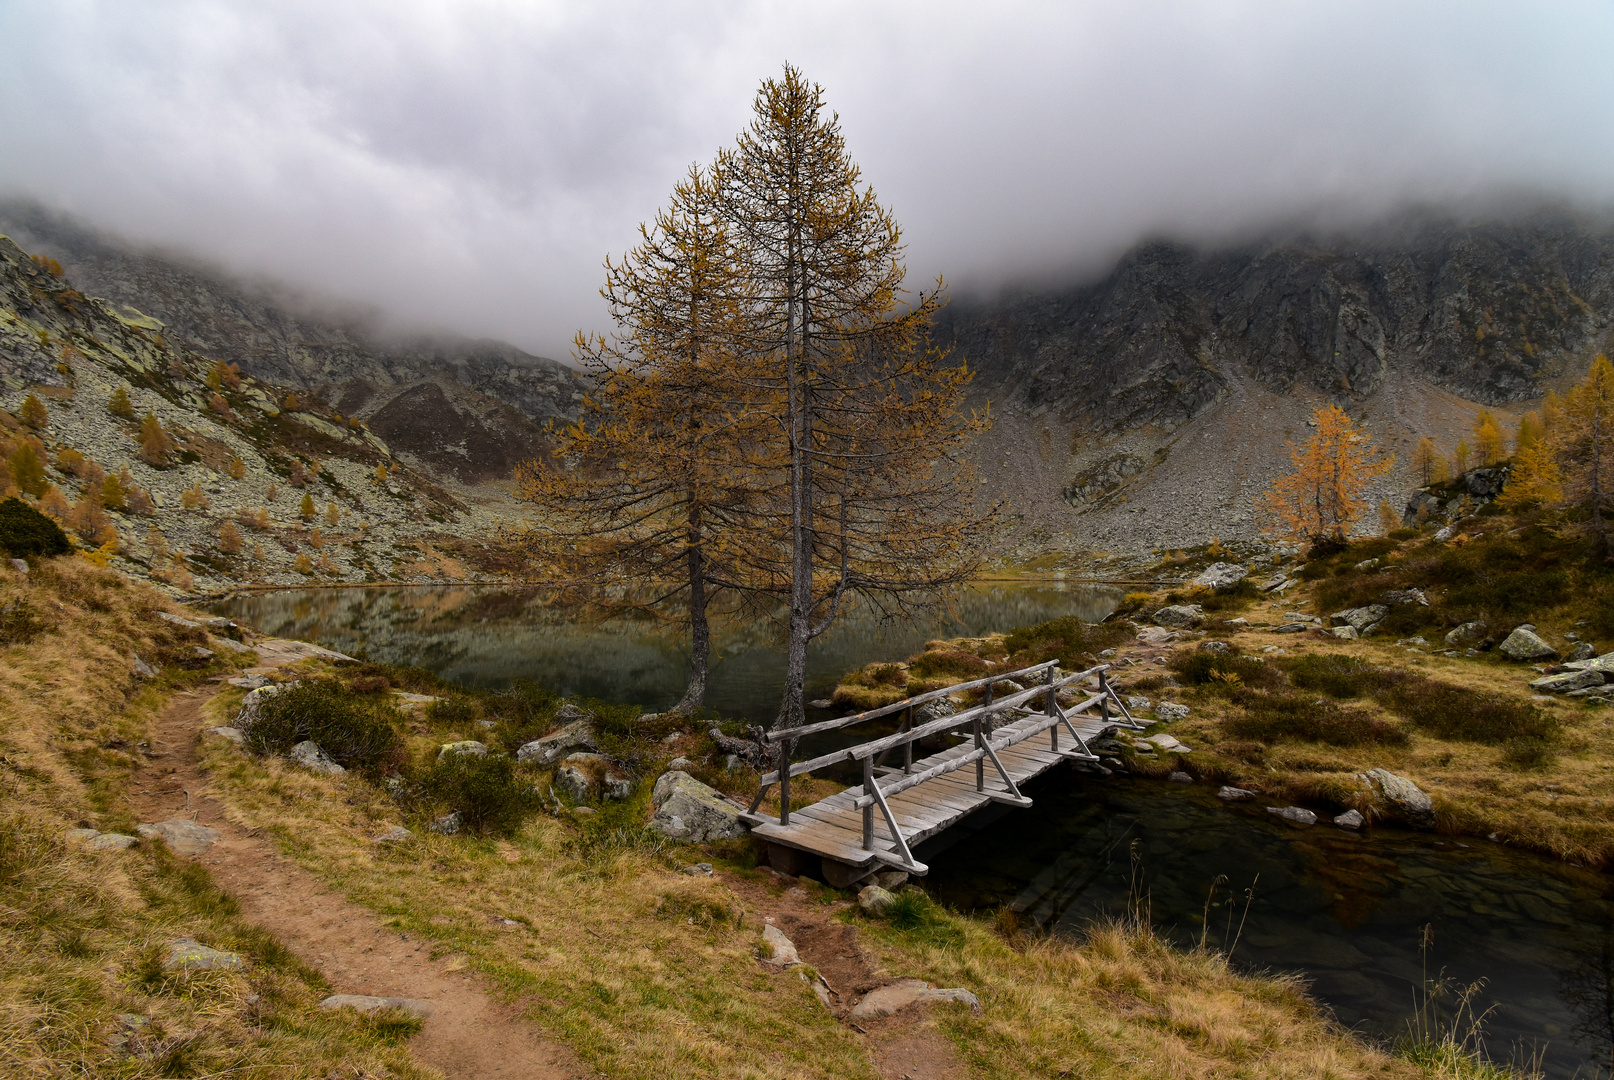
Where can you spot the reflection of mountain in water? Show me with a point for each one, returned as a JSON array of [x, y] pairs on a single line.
[[488, 637]]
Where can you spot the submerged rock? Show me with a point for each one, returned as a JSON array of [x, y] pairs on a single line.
[[1295, 815], [1234, 794]]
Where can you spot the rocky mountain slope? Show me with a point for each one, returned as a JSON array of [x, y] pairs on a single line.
[[1148, 408], [466, 408], [257, 482]]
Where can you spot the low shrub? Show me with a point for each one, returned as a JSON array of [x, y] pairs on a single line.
[[1229, 670], [1067, 640], [1466, 715], [1275, 717], [950, 663], [1234, 597], [484, 789], [451, 712], [24, 531], [1337, 675], [356, 732]]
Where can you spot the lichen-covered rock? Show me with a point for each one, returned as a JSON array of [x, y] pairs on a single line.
[[874, 900], [186, 954], [1345, 633], [777, 949], [1179, 615], [1219, 575], [573, 784], [1216, 647], [253, 702], [1584, 650], [1524, 645], [366, 1004], [1360, 619], [1603, 664], [230, 734], [891, 999], [308, 754], [1168, 712], [464, 746], [687, 809], [1566, 681], [577, 735], [184, 837], [448, 824], [1466, 635], [1405, 596], [392, 834], [1413, 803]]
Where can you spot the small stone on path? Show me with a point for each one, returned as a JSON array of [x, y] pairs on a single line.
[[183, 836], [364, 1003], [888, 1000]]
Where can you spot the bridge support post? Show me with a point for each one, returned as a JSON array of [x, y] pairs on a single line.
[[907, 747], [985, 717], [1051, 707], [784, 782], [868, 811], [1104, 702]]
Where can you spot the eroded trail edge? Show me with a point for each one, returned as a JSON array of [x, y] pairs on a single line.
[[470, 1035]]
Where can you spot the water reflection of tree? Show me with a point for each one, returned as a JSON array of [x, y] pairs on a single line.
[[1587, 985]]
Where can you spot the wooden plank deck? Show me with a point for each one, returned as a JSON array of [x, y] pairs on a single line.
[[833, 828]]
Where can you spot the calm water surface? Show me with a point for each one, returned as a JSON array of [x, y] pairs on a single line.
[[1347, 911]]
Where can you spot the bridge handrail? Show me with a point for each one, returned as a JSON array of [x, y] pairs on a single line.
[[898, 706], [933, 727]]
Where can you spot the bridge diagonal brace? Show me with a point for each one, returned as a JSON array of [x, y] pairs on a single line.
[[1119, 704], [1081, 743], [873, 789], [986, 744]]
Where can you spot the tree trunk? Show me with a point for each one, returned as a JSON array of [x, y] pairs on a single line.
[[700, 633], [793, 707]]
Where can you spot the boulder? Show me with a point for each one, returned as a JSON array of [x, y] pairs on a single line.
[[888, 1000], [254, 701], [1361, 619], [1178, 615], [1137, 703], [569, 713], [935, 710], [875, 900], [311, 757], [577, 735], [201, 653], [688, 810], [777, 949], [573, 784], [100, 841], [1345, 633], [1404, 795], [1219, 575], [464, 746], [680, 764], [1570, 680], [1350, 819], [1604, 664], [1180, 778], [700, 869], [448, 824], [1465, 635], [366, 1004], [1228, 793], [1217, 647], [1582, 651], [1524, 645], [1276, 581], [1292, 628], [392, 834], [139, 666], [233, 734], [1445, 534], [183, 836], [186, 954], [1169, 712], [1166, 742], [891, 879], [1295, 815]]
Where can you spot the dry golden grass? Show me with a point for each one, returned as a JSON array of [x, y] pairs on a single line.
[[81, 931], [648, 972]]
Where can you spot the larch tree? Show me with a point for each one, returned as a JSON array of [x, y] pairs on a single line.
[[1430, 463], [868, 420], [651, 485], [1583, 439], [1460, 456], [1488, 443], [1389, 520], [1534, 481], [1529, 432], [1326, 492]]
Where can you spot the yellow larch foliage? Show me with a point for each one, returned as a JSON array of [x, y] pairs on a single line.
[[1326, 491]]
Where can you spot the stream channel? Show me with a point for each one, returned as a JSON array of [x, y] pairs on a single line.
[[1369, 920]]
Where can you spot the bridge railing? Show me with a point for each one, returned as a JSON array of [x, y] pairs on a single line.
[[979, 718]]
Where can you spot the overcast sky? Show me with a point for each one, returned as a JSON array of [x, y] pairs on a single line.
[[469, 163]]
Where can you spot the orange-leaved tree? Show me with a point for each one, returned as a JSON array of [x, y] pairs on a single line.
[[650, 488], [1327, 490], [868, 419], [1583, 442]]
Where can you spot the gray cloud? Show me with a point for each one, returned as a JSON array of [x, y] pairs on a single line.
[[469, 164]]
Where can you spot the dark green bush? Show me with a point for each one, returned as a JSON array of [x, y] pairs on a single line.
[[1274, 717], [1337, 675], [357, 732], [1234, 597], [1457, 712], [451, 712], [1229, 670], [485, 789], [24, 531], [1067, 640]]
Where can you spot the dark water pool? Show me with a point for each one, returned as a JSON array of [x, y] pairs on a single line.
[[1347, 910], [486, 637]]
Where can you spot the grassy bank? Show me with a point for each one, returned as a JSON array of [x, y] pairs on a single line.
[[82, 987]]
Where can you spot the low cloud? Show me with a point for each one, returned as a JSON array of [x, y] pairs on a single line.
[[469, 164]]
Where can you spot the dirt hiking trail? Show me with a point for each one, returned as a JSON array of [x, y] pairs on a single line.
[[469, 1034]]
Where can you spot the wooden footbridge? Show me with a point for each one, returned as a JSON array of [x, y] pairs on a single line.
[[919, 799]]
